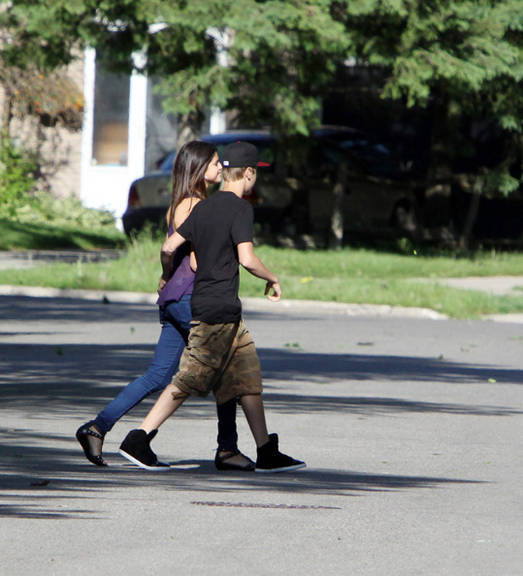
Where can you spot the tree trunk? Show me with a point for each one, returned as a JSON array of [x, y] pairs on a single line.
[[336, 220], [189, 128], [439, 174], [7, 112], [470, 220], [299, 210]]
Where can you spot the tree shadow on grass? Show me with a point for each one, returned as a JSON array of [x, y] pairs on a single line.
[[47, 237]]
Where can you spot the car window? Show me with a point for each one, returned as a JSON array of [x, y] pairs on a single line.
[[168, 163]]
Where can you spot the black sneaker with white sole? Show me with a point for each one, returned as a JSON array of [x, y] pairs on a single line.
[[136, 448], [270, 459]]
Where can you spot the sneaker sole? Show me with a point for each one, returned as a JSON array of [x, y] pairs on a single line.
[[275, 470], [162, 468]]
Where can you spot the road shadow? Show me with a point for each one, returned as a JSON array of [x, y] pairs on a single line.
[[46, 483], [40, 474], [88, 376], [28, 309], [281, 365]]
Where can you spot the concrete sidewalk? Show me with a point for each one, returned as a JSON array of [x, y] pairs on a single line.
[[252, 304], [30, 258], [498, 285], [249, 304]]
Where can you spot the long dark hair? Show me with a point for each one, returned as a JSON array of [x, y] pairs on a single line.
[[188, 174]]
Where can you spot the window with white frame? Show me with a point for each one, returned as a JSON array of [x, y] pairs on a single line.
[[111, 118]]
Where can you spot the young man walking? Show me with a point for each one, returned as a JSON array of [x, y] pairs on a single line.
[[220, 355]]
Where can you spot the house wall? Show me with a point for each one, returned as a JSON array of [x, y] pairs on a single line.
[[68, 165], [58, 147]]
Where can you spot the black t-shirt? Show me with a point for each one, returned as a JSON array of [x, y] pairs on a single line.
[[215, 227]]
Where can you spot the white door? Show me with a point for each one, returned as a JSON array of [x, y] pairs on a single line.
[[113, 144]]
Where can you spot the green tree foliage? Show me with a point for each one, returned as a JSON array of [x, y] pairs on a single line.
[[38, 38], [462, 60], [464, 44], [282, 55], [39, 33], [270, 62], [273, 61], [280, 58], [464, 54]]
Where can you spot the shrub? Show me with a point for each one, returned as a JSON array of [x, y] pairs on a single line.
[[17, 178], [64, 212], [20, 202]]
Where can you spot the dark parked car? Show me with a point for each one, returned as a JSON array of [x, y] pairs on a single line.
[[379, 196]]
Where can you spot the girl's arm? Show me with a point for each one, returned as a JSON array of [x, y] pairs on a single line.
[[166, 256], [173, 242], [180, 215]]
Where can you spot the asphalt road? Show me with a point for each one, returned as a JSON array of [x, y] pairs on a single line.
[[412, 429]]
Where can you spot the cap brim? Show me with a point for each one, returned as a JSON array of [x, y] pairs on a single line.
[[263, 164]]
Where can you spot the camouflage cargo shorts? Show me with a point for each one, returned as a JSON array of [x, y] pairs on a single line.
[[220, 358]]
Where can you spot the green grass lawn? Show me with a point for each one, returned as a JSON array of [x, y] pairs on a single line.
[[351, 275]]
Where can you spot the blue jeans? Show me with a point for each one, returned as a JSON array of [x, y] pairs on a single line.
[[175, 318]]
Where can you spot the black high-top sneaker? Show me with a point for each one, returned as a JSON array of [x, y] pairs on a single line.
[[136, 448], [270, 459]]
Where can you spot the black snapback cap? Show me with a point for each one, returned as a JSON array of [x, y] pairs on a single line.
[[240, 154]]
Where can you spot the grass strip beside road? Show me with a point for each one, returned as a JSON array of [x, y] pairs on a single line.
[[359, 276], [27, 236]]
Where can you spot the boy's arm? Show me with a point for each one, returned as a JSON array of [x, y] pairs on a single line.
[[166, 256], [256, 267]]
